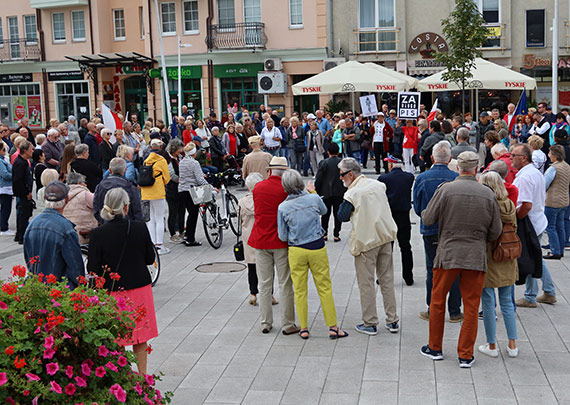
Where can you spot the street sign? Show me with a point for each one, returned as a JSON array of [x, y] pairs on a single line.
[[408, 105]]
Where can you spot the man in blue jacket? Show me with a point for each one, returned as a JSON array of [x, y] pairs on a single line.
[[399, 190], [424, 189]]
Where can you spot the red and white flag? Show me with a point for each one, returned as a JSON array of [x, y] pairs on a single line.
[[110, 118], [433, 112]]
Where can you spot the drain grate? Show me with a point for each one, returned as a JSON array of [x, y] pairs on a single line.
[[220, 267]]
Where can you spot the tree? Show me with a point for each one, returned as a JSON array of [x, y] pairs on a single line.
[[465, 33]]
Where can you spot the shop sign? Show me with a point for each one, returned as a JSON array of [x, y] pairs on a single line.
[[35, 111], [65, 76], [245, 70], [187, 72], [130, 70], [431, 44], [493, 32], [19, 107], [530, 61], [427, 63], [16, 78]]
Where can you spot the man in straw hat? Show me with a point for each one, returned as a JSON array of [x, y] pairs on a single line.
[[270, 250], [461, 251], [257, 160]]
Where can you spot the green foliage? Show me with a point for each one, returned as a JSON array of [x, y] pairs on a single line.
[[465, 33], [333, 107], [60, 346]]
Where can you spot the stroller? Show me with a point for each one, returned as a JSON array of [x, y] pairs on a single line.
[[232, 174]]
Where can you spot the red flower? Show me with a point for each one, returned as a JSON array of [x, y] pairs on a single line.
[[9, 350], [99, 282], [56, 294], [10, 288], [81, 280], [70, 389], [19, 363], [115, 276], [41, 277], [34, 260], [18, 271], [149, 349], [51, 279]]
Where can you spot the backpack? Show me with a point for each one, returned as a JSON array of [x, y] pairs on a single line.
[[508, 246], [146, 176]]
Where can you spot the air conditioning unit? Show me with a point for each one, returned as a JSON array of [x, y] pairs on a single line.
[[332, 62], [272, 82], [272, 64]]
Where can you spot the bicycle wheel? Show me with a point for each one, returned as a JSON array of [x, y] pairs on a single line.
[[233, 216], [154, 268], [212, 228]]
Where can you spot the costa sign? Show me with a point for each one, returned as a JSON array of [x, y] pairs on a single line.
[[427, 44]]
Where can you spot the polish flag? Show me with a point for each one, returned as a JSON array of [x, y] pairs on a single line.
[[110, 118], [433, 112]]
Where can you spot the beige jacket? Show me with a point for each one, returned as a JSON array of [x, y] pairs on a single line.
[[372, 223], [79, 210], [247, 219], [468, 217], [256, 161]]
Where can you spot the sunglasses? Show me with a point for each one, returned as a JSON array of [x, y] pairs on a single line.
[[345, 173]]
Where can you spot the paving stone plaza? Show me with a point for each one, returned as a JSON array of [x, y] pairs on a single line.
[[211, 350]]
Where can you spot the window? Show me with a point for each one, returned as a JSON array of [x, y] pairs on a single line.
[[58, 27], [191, 16], [31, 29], [14, 37], [295, 13], [226, 14], [252, 11], [119, 24], [1, 35], [252, 16], [377, 20], [490, 10], [78, 25], [141, 21], [72, 98], [168, 16], [535, 29]]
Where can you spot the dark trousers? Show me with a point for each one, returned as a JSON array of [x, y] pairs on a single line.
[[379, 156], [23, 214], [192, 220], [454, 298], [5, 211], [404, 234], [364, 156], [332, 204], [218, 164], [252, 278], [176, 214]]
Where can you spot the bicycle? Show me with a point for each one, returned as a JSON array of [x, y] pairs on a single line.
[[216, 219]]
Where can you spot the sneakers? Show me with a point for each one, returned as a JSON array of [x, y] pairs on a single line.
[[7, 233], [485, 349], [456, 318], [424, 315], [393, 327], [513, 352], [432, 354], [466, 363], [193, 243], [367, 330], [177, 238], [162, 250], [522, 303], [546, 298]]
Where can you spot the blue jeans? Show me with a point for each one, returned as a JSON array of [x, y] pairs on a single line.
[[454, 299], [531, 290], [5, 211], [284, 152], [567, 226], [556, 229], [507, 309], [272, 152]]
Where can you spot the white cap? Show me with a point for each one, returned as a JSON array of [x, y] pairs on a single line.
[[311, 116]]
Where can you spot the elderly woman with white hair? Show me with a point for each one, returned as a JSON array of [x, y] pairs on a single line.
[[48, 175], [79, 207], [299, 224], [106, 151]]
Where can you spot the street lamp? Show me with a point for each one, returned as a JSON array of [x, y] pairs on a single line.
[[180, 45]]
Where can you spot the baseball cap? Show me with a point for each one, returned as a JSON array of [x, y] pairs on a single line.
[[154, 135], [467, 160], [311, 116], [381, 113], [56, 191], [392, 111], [156, 142], [484, 114]]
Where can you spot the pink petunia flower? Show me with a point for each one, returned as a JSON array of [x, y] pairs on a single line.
[[149, 379], [55, 387], [54, 303], [122, 361], [100, 372], [32, 377], [138, 388], [69, 371], [86, 369], [38, 330], [3, 305], [80, 381], [66, 336], [48, 342], [111, 367], [3, 379], [48, 353], [52, 368], [70, 389], [119, 392], [103, 351]]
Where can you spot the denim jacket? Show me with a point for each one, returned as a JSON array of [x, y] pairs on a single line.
[[424, 189], [298, 218], [5, 173], [52, 238]]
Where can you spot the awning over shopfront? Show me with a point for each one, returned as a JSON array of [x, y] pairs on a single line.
[[353, 77], [486, 75], [90, 63]]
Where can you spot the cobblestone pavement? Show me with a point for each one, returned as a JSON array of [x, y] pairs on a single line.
[[211, 349]]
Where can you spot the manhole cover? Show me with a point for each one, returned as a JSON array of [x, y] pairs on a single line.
[[220, 267]]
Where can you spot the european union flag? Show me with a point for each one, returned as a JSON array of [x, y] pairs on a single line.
[[521, 105]]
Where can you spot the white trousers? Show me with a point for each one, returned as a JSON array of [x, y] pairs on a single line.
[[408, 163], [156, 224]]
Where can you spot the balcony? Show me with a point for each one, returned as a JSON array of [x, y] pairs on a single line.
[[249, 35], [40, 4], [18, 50], [376, 40]]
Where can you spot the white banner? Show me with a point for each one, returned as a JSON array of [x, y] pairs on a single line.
[[408, 105], [368, 105]]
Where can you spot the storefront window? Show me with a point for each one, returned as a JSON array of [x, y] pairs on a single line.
[[191, 96], [18, 101], [242, 91], [136, 97], [72, 99]]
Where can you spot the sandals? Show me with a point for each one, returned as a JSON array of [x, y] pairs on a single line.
[[336, 334], [304, 333], [336, 239], [325, 237]]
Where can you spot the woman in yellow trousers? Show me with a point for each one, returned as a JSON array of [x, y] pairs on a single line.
[[299, 224]]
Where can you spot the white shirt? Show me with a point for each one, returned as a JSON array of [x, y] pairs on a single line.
[[530, 183], [378, 131], [269, 135]]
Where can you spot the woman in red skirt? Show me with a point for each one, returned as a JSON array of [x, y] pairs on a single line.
[[123, 246]]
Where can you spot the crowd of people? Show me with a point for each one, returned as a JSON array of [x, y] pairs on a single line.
[[466, 180]]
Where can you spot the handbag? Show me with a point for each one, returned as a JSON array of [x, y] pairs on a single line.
[[238, 247], [201, 194], [508, 246], [145, 208]]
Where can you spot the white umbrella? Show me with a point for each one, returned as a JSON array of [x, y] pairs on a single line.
[[486, 75], [352, 77]]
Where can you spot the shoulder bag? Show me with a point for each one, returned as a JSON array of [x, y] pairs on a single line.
[[238, 247], [508, 245]]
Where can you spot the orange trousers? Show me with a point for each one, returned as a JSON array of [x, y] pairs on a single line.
[[471, 286]]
